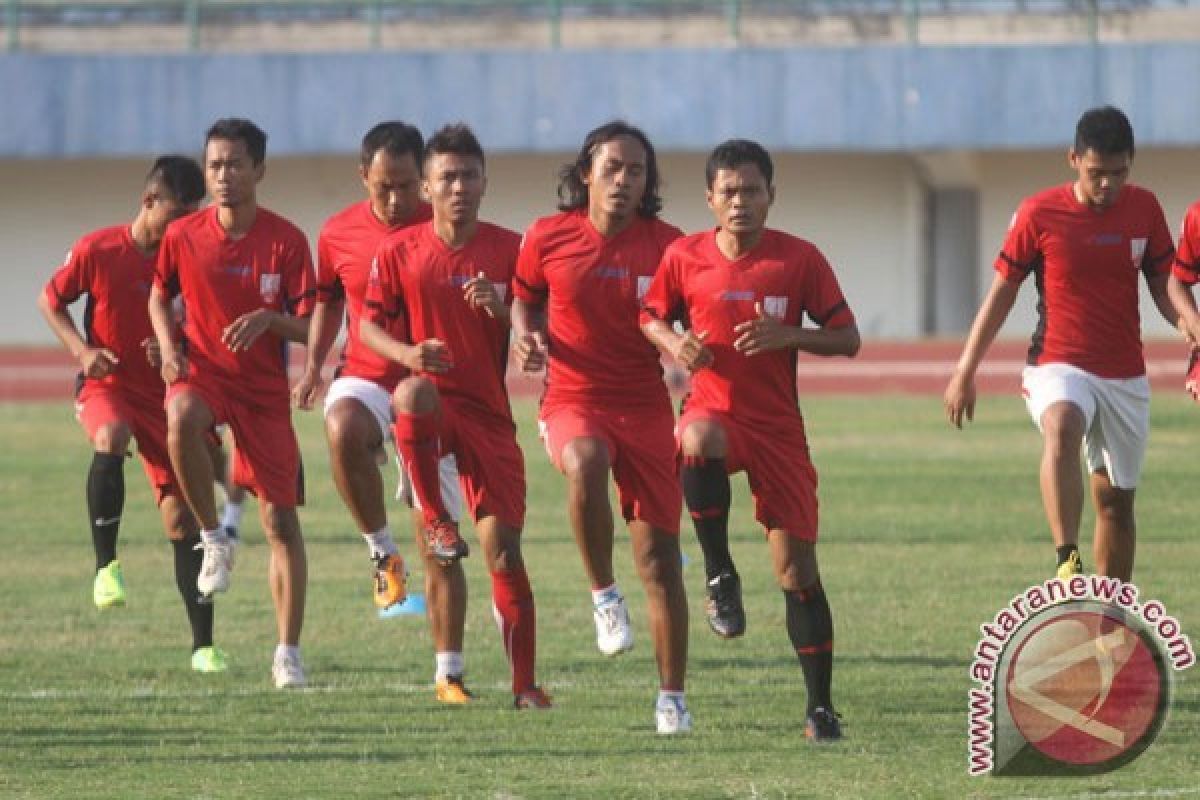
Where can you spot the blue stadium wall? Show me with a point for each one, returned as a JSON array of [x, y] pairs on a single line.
[[865, 99]]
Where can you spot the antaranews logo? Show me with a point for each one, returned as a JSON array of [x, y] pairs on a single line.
[[1073, 678]]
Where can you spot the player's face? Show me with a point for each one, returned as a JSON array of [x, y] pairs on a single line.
[[230, 173], [740, 198], [162, 209], [617, 180], [1100, 176], [454, 185], [393, 186]]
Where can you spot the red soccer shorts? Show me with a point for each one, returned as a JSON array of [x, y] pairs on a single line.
[[775, 459], [491, 468], [641, 449], [99, 404], [266, 458]]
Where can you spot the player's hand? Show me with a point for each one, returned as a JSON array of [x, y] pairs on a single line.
[[1190, 331], [245, 330], [959, 399], [691, 352], [304, 393], [98, 362], [481, 293], [1191, 381], [153, 353], [761, 334], [431, 356], [532, 351], [174, 368]]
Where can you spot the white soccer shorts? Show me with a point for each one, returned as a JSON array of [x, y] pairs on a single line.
[[1116, 415], [378, 402]]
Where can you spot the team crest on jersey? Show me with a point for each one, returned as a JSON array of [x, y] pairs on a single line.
[[775, 306], [643, 285], [268, 287], [1137, 250]]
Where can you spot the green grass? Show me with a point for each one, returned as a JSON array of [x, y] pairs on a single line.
[[926, 532]]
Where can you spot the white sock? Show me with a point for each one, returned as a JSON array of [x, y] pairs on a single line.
[[668, 697], [231, 516], [214, 537], [605, 596], [381, 543], [282, 651], [448, 663]]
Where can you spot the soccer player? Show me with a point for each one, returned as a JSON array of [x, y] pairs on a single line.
[[358, 406], [245, 275], [436, 303], [580, 279], [120, 394], [1085, 383], [744, 290], [1184, 275]]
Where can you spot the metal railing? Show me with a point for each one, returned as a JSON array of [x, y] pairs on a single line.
[[192, 16]]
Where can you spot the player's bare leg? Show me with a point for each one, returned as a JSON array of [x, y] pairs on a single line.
[[1061, 476], [288, 576], [656, 554], [513, 607], [706, 491], [446, 609], [809, 627], [1116, 528], [586, 466], [354, 442], [189, 420]]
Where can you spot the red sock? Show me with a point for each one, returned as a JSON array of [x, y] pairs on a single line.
[[417, 441], [517, 619]]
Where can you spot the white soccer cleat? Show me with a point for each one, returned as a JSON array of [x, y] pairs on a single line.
[[288, 672], [614, 634], [671, 716], [216, 568]]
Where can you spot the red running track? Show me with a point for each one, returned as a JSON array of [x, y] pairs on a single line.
[[35, 374]]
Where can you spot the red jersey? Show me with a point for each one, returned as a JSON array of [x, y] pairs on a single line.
[[108, 267], [787, 275], [593, 287], [1086, 265], [221, 279], [418, 283], [1187, 259], [345, 250]]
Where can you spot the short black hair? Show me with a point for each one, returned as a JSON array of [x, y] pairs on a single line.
[[453, 139], [1105, 130], [734, 153], [180, 176], [236, 129], [573, 192], [395, 138]]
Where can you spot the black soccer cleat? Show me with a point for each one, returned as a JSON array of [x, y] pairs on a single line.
[[823, 726], [723, 606]]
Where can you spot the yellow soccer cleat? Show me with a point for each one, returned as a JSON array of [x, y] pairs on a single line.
[[209, 659], [450, 690], [108, 590], [1069, 568], [391, 581]]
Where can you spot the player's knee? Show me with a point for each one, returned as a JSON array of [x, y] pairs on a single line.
[[280, 524], [1115, 505], [1063, 426], [415, 395], [188, 415], [112, 437], [348, 427], [705, 438], [585, 461], [798, 572], [659, 561]]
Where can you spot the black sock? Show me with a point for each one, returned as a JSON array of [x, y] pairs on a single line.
[[706, 490], [810, 627], [187, 569], [105, 502], [1065, 552]]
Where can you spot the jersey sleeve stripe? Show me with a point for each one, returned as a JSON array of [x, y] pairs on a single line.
[[821, 319], [1024, 267], [541, 291]]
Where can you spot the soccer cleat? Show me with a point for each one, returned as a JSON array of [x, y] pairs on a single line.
[[671, 716], [534, 698], [209, 659], [1069, 568], [390, 581], [443, 542], [108, 590], [614, 634], [288, 672], [823, 726], [450, 690], [723, 606], [215, 569]]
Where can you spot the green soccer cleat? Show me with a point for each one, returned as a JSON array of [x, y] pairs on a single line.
[[1070, 568], [108, 589], [209, 659]]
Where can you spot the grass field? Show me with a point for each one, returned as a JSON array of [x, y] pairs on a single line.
[[925, 534]]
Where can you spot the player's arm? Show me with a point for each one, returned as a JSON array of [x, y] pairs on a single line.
[[244, 331], [1163, 300], [322, 331], [529, 334], [96, 362], [430, 356], [687, 348], [1184, 303], [766, 332], [959, 398], [162, 319]]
